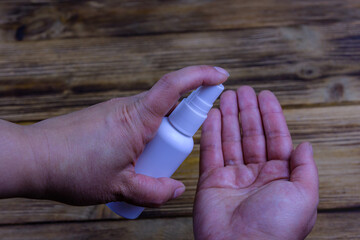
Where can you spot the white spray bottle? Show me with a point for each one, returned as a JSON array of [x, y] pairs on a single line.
[[173, 141]]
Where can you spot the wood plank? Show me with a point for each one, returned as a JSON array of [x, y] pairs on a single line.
[[49, 19], [338, 225], [303, 65], [175, 228], [334, 132]]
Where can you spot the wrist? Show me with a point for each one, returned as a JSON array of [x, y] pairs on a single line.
[[33, 157], [38, 159], [20, 170]]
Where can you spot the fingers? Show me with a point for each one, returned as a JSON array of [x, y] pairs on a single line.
[[278, 139], [231, 139], [303, 169], [253, 139], [210, 144], [164, 94], [151, 192]]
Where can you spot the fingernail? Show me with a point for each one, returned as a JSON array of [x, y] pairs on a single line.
[[223, 71], [311, 148], [178, 192]]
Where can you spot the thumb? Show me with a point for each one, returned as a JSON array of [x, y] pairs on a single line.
[[303, 169], [148, 191], [166, 92]]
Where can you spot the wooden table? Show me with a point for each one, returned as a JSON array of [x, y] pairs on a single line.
[[61, 56]]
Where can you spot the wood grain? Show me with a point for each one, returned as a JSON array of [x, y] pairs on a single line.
[[338, 225], [61, 56], [180, 228], [303, 65], [35, 20], [334, 132]]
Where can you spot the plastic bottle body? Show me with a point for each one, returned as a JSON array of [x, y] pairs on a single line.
[[160, 158], [165, 152]]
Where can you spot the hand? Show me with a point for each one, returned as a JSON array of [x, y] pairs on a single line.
[[253, 185], [88, 157]]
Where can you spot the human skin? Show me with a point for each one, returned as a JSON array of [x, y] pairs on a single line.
[[253, 185], [87, 157]]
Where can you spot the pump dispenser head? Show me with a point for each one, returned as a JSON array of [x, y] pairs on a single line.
[[192, 111]]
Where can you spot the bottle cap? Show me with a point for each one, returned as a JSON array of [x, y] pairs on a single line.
[[192, 111]]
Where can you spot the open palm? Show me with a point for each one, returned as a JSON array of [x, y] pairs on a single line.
[[252, 184]]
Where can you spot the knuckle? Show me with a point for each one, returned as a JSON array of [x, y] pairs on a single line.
[[168, 80], [157, 202], [119, 192], [202, 70], [122, 112], [277, 134], [253, 132], [209, 147]]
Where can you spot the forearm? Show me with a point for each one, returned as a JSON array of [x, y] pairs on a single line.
[[19, 168]]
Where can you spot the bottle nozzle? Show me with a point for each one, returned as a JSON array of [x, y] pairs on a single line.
[[192, 111], [210, 93]]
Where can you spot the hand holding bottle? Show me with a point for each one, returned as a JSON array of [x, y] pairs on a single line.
[[88, 157], [253, 185], [173, 141]]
